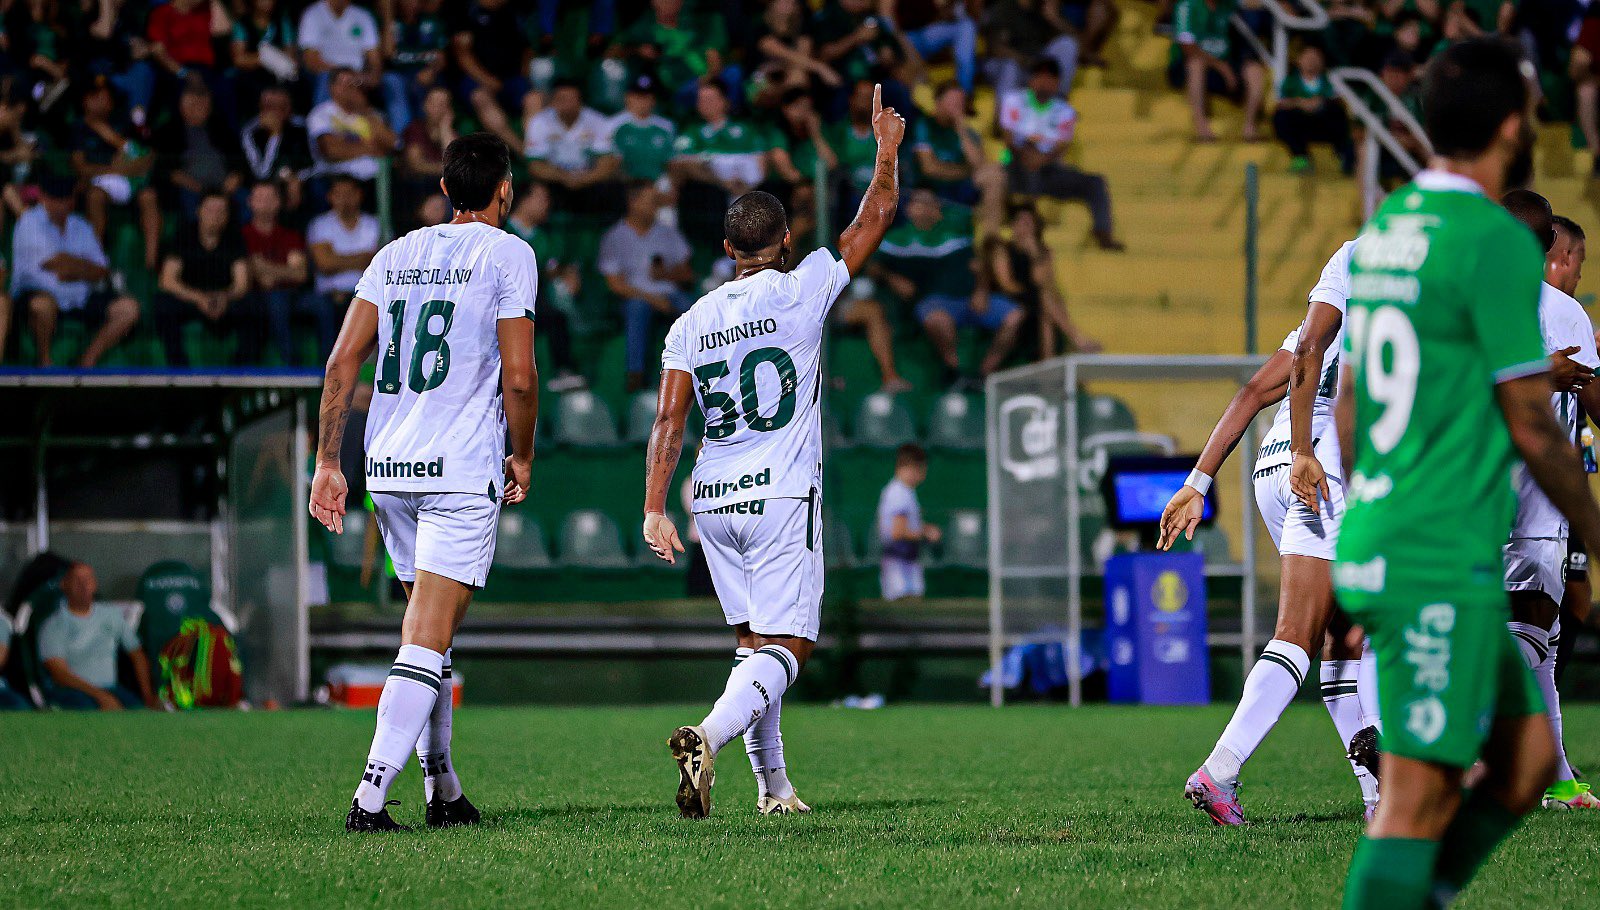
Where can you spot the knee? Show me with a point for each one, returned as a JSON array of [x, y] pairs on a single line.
[[42, 305], [939, 322], [123, 311]]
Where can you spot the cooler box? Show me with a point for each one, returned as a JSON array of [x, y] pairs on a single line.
[[1156, 629], [359, 685]]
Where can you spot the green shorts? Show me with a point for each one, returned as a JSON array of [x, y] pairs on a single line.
[[1446, 670]]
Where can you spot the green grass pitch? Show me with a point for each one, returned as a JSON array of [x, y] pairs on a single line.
[[925, 806]]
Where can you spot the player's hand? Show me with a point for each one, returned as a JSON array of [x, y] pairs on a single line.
[[932, 534], [1566, 374], [1181, 516], [107, 702], [328, 491], [519, 479], [1309, 483], [661, 535], [888, 127]]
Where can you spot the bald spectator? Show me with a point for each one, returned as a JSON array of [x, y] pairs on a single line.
[[78, 647]]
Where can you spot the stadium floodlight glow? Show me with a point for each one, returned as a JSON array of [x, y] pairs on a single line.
[[1042, 480]]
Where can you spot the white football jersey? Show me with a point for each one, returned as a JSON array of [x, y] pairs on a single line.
[[754, 347], [1563, 323], [437, 424], [1333, 288]]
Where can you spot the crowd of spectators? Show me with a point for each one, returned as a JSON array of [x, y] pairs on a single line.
[[184, 170]]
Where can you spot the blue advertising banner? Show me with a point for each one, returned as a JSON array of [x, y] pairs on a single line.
[[1156, 629]]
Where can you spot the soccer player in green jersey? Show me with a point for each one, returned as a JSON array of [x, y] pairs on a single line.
[[1444, 386]]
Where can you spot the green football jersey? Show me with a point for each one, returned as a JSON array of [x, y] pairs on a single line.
[[1444, 304], [645, 145]]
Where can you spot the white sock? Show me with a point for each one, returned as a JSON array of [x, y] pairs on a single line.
[[433, 746], [1532, 641], [1269, 688], [1545, 673], [754, 686], [1367, 686], [1339, 697], [403, 710], [763, 742]]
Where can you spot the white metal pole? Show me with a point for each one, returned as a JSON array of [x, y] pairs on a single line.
[[997, 689], [1069, 400], [302, 554]]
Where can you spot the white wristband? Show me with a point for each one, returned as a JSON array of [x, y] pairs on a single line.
[[1200, 481]]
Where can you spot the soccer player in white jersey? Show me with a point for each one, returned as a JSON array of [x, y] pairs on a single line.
[[449, 308], [1537, 551], [1306, 368], [750, 352]]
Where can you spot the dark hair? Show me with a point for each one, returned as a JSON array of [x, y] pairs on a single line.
[[755, 222], [1533, 210], [1567, 225], [346, 180], [474, 167], [1045, 65], [1468, 92], [947, 85], [719, 87], [566, 82], [635, 187], [910, 453]]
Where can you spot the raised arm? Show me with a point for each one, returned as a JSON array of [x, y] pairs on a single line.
[[357, 339], [1308, 478], [1265, 388], [661, 461], [1549, 454], [519, 386], [860, 240]]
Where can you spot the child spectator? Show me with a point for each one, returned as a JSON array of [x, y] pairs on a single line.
[[901, 530], [1308, 112]]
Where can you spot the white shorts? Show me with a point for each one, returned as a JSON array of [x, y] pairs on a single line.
[[1295, 529], [767, 565], [449, 534], [900, 578], [1537, 564]]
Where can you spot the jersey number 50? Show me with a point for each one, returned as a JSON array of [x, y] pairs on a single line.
[[427, 341], [749, 404]]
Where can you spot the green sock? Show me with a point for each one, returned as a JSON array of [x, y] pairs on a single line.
[[1479, 826], [1391, 873]]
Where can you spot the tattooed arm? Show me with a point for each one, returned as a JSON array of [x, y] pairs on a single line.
[[860, 240], [356, 341], [661, 461]]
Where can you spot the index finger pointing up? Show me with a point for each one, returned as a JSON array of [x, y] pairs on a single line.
[[877, 98]]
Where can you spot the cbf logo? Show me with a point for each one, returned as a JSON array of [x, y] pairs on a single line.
[[1169, 593], [1029, 442]]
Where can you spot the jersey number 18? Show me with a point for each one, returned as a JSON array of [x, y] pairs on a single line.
[[426, 341]]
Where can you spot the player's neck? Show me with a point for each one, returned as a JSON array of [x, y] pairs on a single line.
[[744, 268], [466, 217], [1487, 171]]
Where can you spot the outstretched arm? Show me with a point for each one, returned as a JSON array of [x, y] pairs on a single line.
[[1265, 388], [661, 461], [1308, 479], [356, 341], [1549, 454], [860, 240]]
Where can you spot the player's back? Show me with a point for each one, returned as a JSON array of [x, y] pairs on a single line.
[[754, 348], [1444, 306], [436, 422]]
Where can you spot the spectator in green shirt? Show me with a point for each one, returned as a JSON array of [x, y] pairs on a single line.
[[1308, 112], [682, 49], [714, 162], [798, 143], [929, 259], [1202, 63], [641, 136], [78, 646], [951, 160]]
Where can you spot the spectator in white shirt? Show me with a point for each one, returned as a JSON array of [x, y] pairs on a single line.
[[347, 136], [342, 242], [1039, 124], [901, 531], [569, 148], [338, 34]]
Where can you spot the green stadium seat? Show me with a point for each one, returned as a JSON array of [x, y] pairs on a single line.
[[641, 416], [883, 421], [590, 540], [170, 592], [956, 423], [584, 421], [521, 545], [966, 546]]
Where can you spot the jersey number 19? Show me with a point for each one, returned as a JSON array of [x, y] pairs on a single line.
[[1393, 386]]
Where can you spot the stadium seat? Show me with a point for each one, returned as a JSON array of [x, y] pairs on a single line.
[[956, 423], [641, 416], [521, 543], [966, 546], [883, 421], [170, 592], [584, 421], [590, 540], [347, 550]]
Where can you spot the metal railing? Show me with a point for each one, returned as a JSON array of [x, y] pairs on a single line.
[[1379, 138], [1313, 19]]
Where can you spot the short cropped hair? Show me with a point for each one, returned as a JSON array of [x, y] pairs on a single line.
[[1533, 210], [1468, 92], [1568, 226], [910, 454], [755, 222], [474, 167]]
